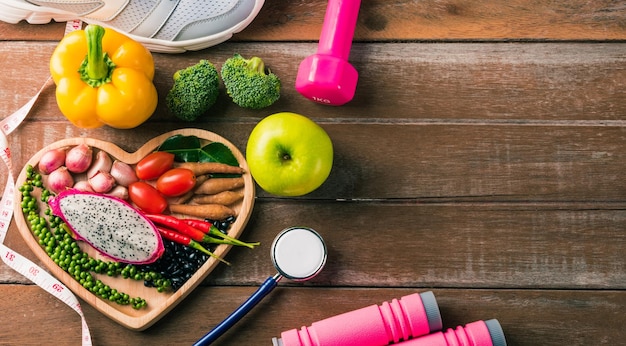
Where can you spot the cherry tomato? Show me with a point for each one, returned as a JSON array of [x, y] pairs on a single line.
[[154, 164], [146, 197], [176, 182]]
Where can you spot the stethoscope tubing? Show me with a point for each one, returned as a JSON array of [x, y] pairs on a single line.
[[263, 290]]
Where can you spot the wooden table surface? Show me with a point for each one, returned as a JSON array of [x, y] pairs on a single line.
[[482, 158]]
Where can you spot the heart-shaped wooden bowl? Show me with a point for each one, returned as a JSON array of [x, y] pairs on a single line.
[[158, 303]]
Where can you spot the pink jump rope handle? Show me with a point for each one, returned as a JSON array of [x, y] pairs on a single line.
[[326, 77], [479, 333], [411, 316]]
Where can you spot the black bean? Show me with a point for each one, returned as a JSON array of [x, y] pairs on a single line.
[[177, 264]]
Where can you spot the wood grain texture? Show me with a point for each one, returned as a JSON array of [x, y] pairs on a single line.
[[543, 124], [481, 158], [447, 83], [555, 246], [529, 317], [454, 163], [446, 20]]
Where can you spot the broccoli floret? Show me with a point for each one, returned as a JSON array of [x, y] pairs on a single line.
[[248, 83], [194, 91]]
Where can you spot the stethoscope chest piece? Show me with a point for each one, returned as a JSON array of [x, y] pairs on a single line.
[[298, 253]]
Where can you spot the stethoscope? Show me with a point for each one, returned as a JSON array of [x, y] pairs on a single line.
[[298, 254]]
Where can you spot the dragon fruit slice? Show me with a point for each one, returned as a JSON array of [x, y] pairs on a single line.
[[110, 225]]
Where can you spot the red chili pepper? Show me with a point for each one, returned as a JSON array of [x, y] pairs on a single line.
[[210, 229], [174, 236], [196, 234], [187, 241], [202, 225], [180, 226]]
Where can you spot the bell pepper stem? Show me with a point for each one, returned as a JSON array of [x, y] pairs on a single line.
[[97, 67]]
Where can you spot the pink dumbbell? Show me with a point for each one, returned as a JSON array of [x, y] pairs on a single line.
[[326, 77]]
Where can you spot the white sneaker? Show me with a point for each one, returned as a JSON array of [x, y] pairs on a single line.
[[167, 26]]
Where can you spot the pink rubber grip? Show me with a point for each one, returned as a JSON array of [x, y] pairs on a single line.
[[479, 333], [374, 325]]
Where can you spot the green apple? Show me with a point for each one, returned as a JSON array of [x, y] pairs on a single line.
[[289, 154]]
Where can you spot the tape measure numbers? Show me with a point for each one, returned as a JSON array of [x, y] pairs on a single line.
[[11, 258]]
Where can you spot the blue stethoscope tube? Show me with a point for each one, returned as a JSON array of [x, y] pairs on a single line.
[[267, 287]]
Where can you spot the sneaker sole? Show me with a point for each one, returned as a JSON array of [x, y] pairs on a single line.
[[17, 11]]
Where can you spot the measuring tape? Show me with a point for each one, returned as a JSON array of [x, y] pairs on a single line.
[[11, 258]]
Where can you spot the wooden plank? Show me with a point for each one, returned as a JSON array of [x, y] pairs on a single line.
[[528, 317], [380, 244], [462, 163], [386, 244], [382, 20], [451, 83]]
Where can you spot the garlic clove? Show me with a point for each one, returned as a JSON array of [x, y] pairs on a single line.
[[102, 163], [83, 185], [123, 173], [119, 191]]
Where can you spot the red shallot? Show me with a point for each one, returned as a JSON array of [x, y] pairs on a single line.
[[78, 159], [102, 182], [60, 179], [51, 160]]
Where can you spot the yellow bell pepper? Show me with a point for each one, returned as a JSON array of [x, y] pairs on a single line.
[[103, 78]]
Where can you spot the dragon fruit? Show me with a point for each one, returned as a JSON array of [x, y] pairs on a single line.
[[110, 225]]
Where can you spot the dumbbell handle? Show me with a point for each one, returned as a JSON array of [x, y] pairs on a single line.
[[338, 29]]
